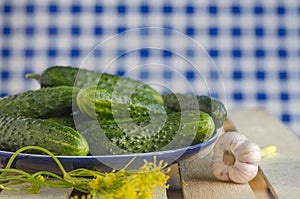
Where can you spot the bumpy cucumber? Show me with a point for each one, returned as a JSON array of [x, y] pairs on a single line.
[[179, 130], [41, 103], [107, 103], [17, 132], [66, 120], [62, 75], [71, 76], [99, 144], [209, 105]]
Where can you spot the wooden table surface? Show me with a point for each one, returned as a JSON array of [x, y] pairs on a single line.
[[279, 173]]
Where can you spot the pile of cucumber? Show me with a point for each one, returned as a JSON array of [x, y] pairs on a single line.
[[79, 112]]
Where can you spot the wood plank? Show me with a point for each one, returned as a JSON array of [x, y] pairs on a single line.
[[161, 193], [259, 187], [281, 171], [50, 193], [198, 181], [46, 193]]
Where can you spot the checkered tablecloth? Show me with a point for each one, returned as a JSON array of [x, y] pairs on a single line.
[[246, 53]]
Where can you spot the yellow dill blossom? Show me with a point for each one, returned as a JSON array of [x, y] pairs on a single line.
[[94, 183], [140, 184], [108, 179], [127, 191]]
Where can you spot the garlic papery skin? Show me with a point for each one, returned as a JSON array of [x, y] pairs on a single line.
[[235, 158]]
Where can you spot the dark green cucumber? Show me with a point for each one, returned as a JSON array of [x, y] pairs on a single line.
[[17, 132], [212, 106], [179, 130], [62, 75], [107, 103], [71, 76], [41, 103], [66, 120], [98, 142]]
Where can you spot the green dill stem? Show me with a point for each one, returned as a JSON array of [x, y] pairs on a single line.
[[54, 184], [57, 184], [9, 170], [83, 173], [26, 177], [83, 190], [13, 178], [36, 148], [4, 185], [129, 163], [47, 173]]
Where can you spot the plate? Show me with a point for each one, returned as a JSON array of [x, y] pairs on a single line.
[[34, 162]]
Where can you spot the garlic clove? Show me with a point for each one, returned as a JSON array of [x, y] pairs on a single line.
[[220, 170], [242, 172], [248, 152], [228, 142], [232, 140], [219, 149]]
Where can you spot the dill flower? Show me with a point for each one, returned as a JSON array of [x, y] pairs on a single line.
[[140, 184]]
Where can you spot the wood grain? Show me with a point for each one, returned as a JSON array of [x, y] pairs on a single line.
[[198, 181], [161, 193], [46, 193], [281, 171]]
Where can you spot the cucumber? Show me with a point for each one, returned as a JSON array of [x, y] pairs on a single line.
[[71, 76], [17, 132], [41, 103], [215, 108], [179, 130], [65, 120], [72, 119], [108, 104], [62, 75], [99, 144]]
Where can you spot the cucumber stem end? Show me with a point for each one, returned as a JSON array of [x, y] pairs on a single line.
[[32, 76]]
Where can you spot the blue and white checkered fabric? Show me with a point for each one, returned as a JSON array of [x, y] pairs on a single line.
[[254, 46]]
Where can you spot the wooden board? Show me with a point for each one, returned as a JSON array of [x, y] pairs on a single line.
[[46, 193], [198, 181], [281, 171], [51, 193], [161, 193]]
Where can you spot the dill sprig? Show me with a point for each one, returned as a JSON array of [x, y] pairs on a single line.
[[134, 184]]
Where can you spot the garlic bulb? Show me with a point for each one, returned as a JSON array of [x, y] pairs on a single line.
[[235, 158]]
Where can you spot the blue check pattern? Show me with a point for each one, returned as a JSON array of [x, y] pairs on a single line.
[[255, 46]]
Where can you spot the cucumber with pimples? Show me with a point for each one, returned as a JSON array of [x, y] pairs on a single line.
[[215, 108], [104, 103], [17, 132], [41, 103], [80, 77], [179, 130]]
